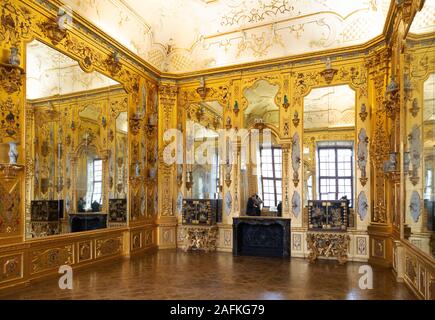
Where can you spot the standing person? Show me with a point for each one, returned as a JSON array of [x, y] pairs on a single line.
[[251, 206], [279, 209], [258, 203]]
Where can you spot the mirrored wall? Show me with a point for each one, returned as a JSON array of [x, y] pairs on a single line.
[[202, 203], [419, 142], [329, 157], [261, 168], [76, 141]]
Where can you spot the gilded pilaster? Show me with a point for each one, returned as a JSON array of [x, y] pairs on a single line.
[[166, 220]]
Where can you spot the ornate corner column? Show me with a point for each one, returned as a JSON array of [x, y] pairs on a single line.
[[380, 227], [166, 219]]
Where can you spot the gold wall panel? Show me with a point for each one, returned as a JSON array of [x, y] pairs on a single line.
[[52, 258], [11, 267], [84, 251], [108, 247]]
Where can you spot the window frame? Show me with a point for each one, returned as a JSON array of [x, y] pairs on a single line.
[[274, 179], [336, 177], [97, 181]]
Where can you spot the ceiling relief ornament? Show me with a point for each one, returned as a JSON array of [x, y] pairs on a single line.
[[257, 11], [228, 32]]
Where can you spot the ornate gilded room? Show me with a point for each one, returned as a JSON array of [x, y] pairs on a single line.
[[217, 149]]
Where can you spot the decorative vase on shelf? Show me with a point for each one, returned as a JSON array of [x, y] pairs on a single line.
[[13, 153]]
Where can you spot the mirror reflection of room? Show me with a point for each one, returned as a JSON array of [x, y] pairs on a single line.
[[78, 137], [420, 217], [262, 179], [203, 202], [328, 157]]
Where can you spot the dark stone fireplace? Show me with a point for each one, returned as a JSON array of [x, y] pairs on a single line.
[[261, 236]]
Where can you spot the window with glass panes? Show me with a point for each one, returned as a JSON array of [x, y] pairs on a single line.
[[335, 173], [271, 176], [97, 181]]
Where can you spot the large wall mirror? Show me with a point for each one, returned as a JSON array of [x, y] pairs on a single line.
[[419, 138], [261, 168], [203, 201], [420, 210], [329, 157], [76, 133]]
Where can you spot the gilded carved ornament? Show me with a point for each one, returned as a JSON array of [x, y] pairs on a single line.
[[11, 77]]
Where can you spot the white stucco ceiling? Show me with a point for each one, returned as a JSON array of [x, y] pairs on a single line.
[[189, 35]]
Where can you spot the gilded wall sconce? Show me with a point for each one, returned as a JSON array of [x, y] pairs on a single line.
[[329, 73], [391, 101], [216, 122], [202, 89], [151, 125], [363, 114], [285, 104], [415, 154], [200, 113], [407, 88], [296, 119], [362, 155], [228, 124], [179, 175], [296, 158], [236, 108], [11, 77], [414, 108], [228, 174]]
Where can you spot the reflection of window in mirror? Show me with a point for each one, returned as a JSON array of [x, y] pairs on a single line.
[[329, 152], [72, 127], [270, 179]]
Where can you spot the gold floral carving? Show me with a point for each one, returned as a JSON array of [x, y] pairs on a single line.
[[11, 77], [106, 247], [85, 251], [10, 199], [411, 270], [11, 267], [46, 259], [200, 238], [15, 23], [52, 31], [328, 245], [136, 241]]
